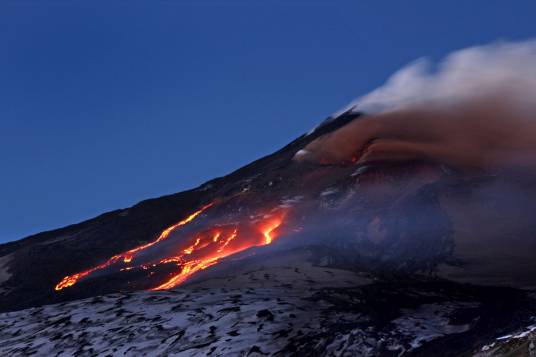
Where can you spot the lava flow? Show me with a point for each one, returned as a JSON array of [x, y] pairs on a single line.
[[127, 256], [197, 251], [220, 242]]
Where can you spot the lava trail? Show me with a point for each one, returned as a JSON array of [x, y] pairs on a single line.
[[220, 242], [128, 256], [198, 250]]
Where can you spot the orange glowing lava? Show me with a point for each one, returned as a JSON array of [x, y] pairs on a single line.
[[200, 251], [268, 231], [208, 249], [128, 256]]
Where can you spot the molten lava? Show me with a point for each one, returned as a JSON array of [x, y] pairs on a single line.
[[198, 251], [127, 256], [208, 249]]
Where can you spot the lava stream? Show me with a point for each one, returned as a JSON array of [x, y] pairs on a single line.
[[208, 250], [127, 256], [204, 248]]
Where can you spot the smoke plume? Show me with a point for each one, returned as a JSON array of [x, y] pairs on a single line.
[[477, 109], [499, 68]]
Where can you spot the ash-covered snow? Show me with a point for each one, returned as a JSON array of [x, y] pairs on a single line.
[[288, 202], [432, 320], [329, 191], [283, 310], [195, 321], [520, 343]]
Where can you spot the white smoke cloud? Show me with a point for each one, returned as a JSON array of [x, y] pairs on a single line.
[[505, 68]]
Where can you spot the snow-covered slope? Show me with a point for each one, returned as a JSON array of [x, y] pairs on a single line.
[[280, 310]]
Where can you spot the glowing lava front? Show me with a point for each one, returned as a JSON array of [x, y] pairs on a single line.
[[200, 251], [208, 249], [127, 256]]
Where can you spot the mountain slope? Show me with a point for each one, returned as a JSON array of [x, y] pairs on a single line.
[[37, 263], [284, 258]]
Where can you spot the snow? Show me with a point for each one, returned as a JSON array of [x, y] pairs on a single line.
[[301, 152], [285, 305], [528, 330], [329, 191], [431, 321], [272, 309], [288, 202], [191, 321]]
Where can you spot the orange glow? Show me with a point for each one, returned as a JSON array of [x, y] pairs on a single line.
[[216, 237], [168, 230], [203, 249], [127, 256], [191, 248], [70, 280], [228, 240], [205, 255], [268, 231]]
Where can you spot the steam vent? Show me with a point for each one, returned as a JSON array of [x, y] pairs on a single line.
[[285, 258]]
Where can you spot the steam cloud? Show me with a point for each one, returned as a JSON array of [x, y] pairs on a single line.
[[499, 68], [477, 109]]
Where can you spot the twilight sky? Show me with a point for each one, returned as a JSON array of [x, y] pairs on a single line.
[[106, 103]]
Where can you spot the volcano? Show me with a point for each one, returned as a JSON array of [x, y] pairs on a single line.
[[388, 259]]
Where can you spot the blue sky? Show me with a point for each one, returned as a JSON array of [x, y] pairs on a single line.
[[106, 103]]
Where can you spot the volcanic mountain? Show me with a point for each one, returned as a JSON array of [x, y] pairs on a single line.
[[386, 259]]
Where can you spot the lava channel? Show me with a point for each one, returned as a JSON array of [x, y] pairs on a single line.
[[200, 251], [210, 246], [128, 256]]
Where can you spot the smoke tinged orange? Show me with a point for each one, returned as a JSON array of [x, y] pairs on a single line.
[[487, 132], [204, 249]]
